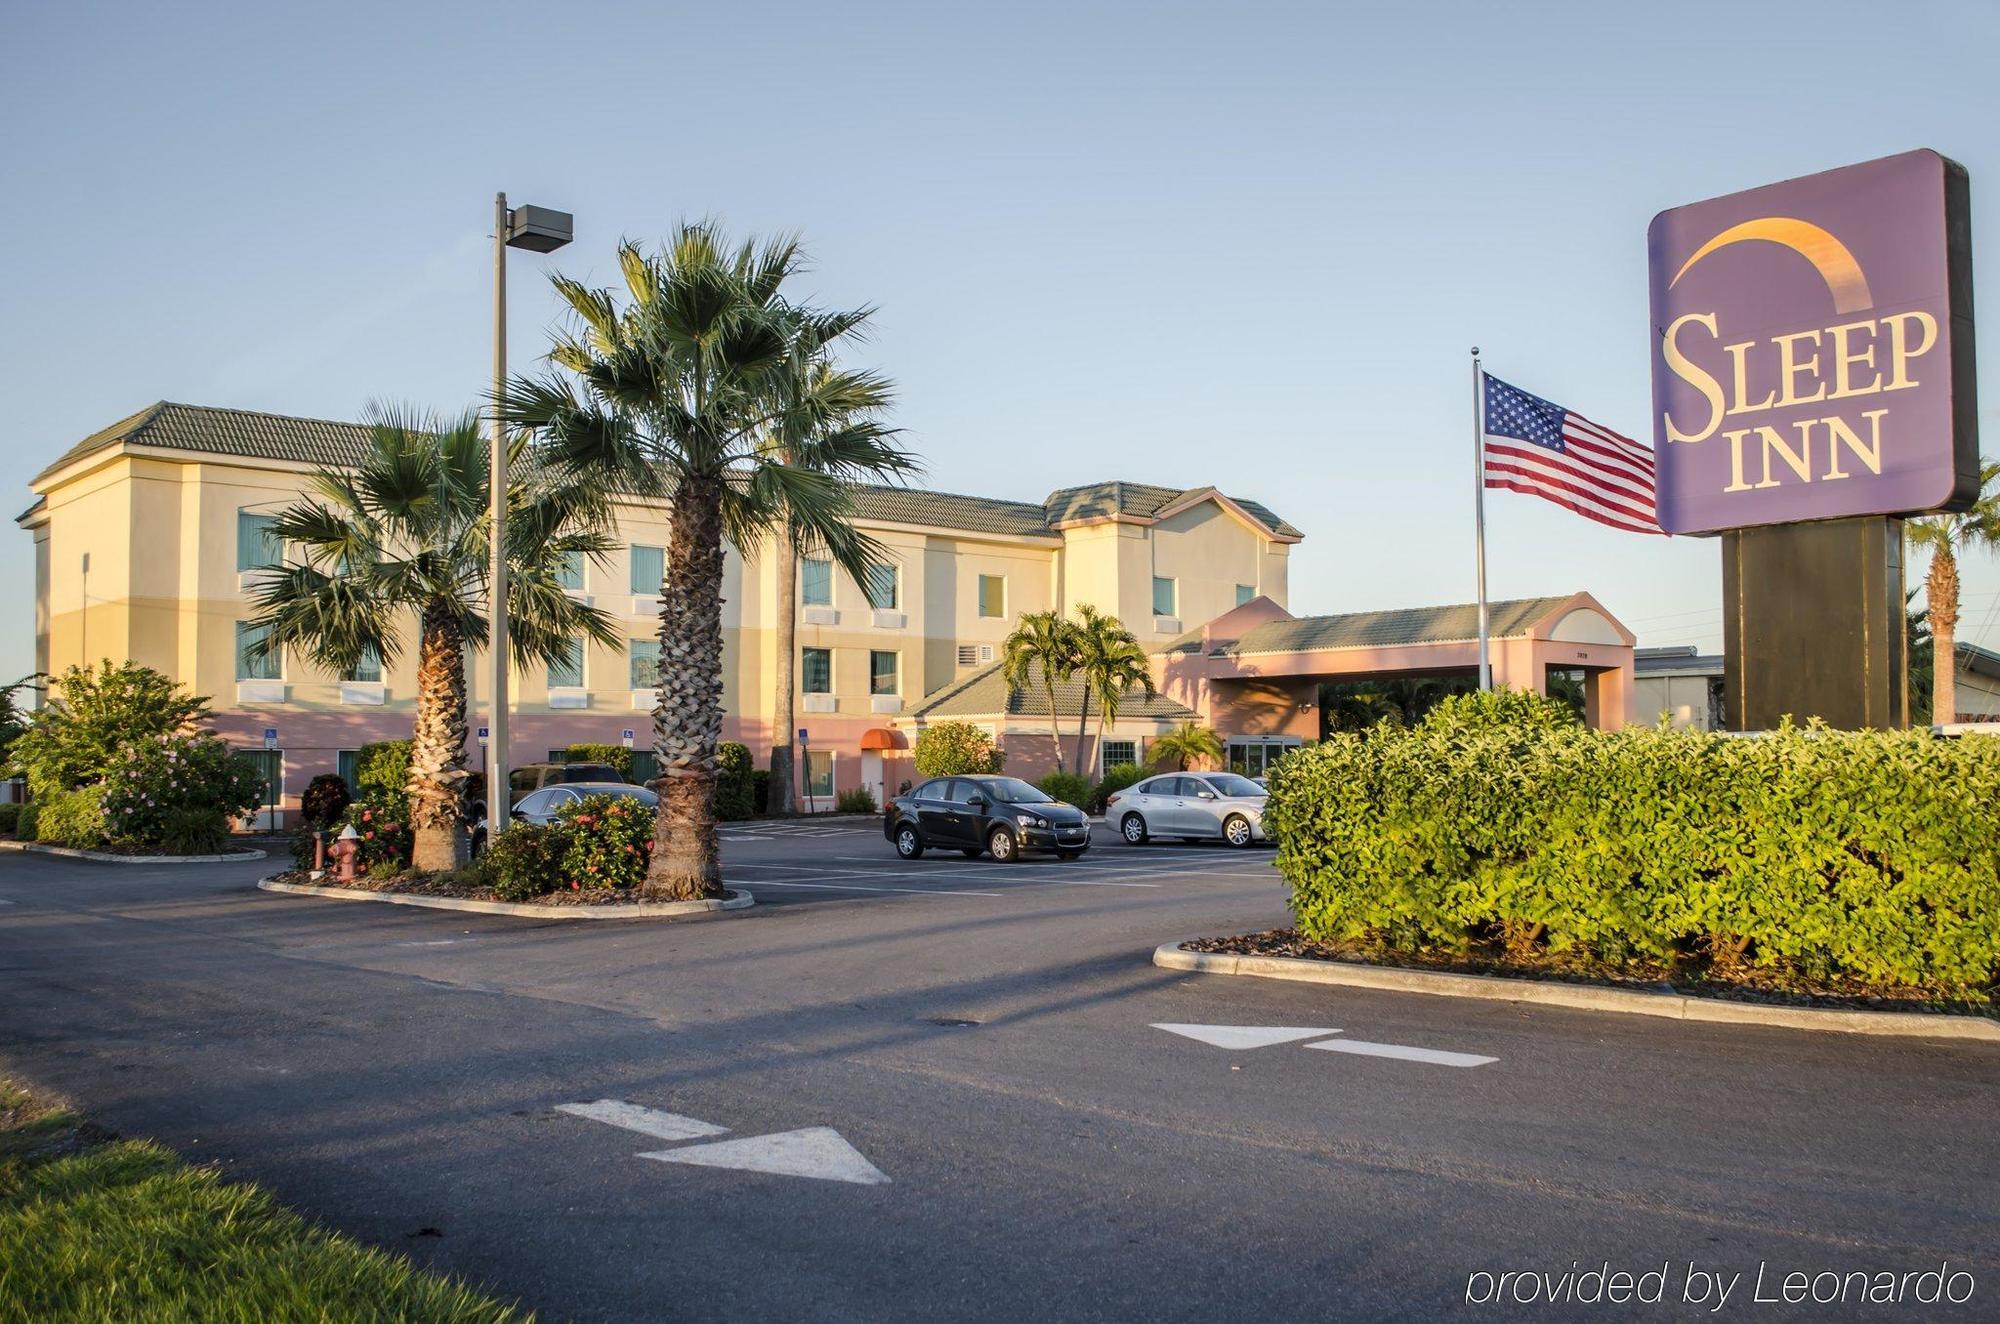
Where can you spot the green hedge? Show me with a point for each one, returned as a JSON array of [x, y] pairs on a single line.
[[1859, 855], [618, 756], [1067, 787], [735, 782]]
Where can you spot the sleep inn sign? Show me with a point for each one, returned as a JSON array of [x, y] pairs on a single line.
[[1812, 349]]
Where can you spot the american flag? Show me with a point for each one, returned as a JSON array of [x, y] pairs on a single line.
[[1534, 446]]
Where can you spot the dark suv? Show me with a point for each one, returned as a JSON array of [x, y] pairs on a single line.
[[1003, 816]]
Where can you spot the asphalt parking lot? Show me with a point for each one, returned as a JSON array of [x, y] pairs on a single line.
[[949, 1089]]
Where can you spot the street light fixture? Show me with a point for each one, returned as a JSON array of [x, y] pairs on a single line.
[[539, 230]]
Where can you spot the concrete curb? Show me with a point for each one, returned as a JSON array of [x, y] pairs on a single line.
[[105, 857], [736, 900], [1587, 997]]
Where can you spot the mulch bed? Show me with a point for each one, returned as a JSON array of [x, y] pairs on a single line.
[[1742, 982], [426, 884]]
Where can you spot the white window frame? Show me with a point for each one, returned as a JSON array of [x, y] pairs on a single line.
[[582, 680], [651, 590], [896, 653], [832, 773], [630, 660], [804, 599], [895, 602], [1173, 591], [277, 658], [1105, 765], [815, 648], [979, 598]]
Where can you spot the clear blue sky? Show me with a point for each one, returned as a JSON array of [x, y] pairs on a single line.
[[1238, 244]]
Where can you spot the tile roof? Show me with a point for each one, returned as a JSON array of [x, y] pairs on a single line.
[[316, 442], [985, 694], [1382, 629]]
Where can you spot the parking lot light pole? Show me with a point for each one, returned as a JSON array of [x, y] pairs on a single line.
[[538, 230]]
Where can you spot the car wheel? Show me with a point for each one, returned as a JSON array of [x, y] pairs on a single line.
[[969, 852], [1133, 829], [1236, 831], [908, 844], [1004, 848]]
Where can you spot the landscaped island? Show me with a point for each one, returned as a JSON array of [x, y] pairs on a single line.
[[1498, 836]]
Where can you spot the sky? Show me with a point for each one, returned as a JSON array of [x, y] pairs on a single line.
[[1241, 244]]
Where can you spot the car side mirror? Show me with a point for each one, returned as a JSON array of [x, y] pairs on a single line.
[[517, 814], [977, 802], [1206, 795]]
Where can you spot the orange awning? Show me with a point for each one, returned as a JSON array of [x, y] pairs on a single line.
[[882, 737]]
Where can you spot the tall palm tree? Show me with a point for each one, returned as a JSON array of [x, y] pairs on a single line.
[[672, 392], [1944, 537], [792, 437], [1111, 663], [1042, 643], [402, 538], [1188, 744]]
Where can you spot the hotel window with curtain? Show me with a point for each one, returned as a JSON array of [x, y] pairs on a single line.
[[1244, 593], [649, 567], [1166, 597], [883, 668], [256, 546], [816, 670], [569, 571], [568, 673], [643, 662], [993, 596], [368, 669], [882, 587], [816, 582], [248, 666], [819, 773]]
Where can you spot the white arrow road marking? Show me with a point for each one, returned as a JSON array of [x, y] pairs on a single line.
[[646, 1121], [1246, 1036], [1435, 1056], [817, 1151]]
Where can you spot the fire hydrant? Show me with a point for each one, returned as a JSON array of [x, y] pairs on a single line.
[[345, 848]]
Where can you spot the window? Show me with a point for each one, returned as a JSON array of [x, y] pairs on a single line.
[[1116, 752], [643, 663], [993, 596], [882, 668], [816, 582], [369, 668], [1244, 593], [569, 571], [270, 764], [882, 595], [819, 773], [816, 670], [649, 567], [255, 546], [568, 673], [249, 667], [1165, 597], [345, 763]]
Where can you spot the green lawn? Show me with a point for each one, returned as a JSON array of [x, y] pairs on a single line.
[[93, 1228]]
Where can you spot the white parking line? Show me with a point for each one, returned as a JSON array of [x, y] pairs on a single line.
[[856, 887]]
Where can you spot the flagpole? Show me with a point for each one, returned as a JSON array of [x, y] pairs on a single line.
[[1479, 511]]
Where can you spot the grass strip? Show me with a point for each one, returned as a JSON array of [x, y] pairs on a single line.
[[97, 1228]]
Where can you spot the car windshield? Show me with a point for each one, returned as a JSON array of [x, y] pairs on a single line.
[[1012, 791], [1228, 783]]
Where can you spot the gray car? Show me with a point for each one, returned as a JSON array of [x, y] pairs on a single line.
[[1194, 806], [542, 806]]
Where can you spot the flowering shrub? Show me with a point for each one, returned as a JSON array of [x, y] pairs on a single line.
[[386, 840], [525, 861], [157, 786], [608, 840]]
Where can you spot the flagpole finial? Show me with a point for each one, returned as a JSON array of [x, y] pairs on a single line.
[[1475, 351]]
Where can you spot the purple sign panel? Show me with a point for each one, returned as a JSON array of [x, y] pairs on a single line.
[[1812, 349]]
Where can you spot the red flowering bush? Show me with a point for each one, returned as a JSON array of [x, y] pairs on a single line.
[[608, 840], [386, 841]]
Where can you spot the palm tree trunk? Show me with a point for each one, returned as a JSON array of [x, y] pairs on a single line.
[[1941, 595], [779, 804], [1055, 718], [437, 744], [1082, 721], [687, 724]]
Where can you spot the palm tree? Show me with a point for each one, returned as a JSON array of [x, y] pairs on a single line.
[[1188, 743], [403, 536], [1042, 643], [673, 393], [793, 437], [1111, 663], [1944, 537]]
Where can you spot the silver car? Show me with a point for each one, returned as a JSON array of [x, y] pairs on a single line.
[[1194, 806], [542, 806]]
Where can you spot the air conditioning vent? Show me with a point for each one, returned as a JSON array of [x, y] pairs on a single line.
[[968, 655]]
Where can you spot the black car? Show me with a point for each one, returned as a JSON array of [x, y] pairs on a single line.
[[1001, 815]]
